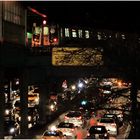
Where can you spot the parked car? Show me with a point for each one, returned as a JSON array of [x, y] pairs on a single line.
[[9, 111], [11, 128]]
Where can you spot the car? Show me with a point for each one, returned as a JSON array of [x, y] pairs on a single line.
[[86, 105], [118, 113], [75, 117], [110, 125], [68, 129], [9, 111], [98, 132], [33, 115], [115, 117], [52, 134], [11, 128]]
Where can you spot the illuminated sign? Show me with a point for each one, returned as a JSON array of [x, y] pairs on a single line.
[[76, 57]]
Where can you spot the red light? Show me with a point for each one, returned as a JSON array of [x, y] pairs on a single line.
[[66, 117], [72, 129], [55, 39], [113, 124], [79, 118], [44, 22], [99, 123]]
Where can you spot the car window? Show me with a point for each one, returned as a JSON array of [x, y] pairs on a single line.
[[105, 120], [74, 114], [97, 130], [66, 125], [51, 133]]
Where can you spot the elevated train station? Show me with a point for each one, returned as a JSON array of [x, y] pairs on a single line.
[[47, 52]]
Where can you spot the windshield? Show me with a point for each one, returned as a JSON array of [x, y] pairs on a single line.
[[51, 133], [66, 125]]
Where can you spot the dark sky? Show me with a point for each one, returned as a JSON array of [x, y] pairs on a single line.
[[105, 14]]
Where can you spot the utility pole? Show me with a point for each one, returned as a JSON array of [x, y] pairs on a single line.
[[2, 96]]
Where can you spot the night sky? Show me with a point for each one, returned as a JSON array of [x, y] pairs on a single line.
[[101, 14]]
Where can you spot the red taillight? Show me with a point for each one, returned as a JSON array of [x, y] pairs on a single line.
[[72, 129], [99, 123], [92, 113], [55, 39], [79, 118], [113, 124], [66, 117]]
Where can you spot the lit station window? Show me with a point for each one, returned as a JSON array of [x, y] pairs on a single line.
[[74, 34], [67, 33], [61, 32], [80, 33], [99, 36], [123, 36], [86, 34]]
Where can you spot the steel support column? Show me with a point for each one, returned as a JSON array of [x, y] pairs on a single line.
[[24, 103], [2, 104]]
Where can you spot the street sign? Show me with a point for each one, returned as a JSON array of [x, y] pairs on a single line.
[[76, 56]]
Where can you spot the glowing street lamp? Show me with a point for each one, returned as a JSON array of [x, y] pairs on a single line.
[[44, 22], [80, 85], [73, 87], [119, 83]]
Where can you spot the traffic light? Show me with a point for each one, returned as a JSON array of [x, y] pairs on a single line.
[[84, 102], [54, 35], [55, 39], [44, 22], [36, 40], [36, 37]]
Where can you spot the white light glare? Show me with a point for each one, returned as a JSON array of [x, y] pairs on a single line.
[[53, 128], [73, 87], [80, 85], [12, 130]]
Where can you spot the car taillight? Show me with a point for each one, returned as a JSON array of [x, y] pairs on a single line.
[[113, 124], [72, 129], [66, 117], [79, 118], [105, 134], [99, 123]]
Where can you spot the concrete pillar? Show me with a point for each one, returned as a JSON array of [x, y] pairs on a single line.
[[43, 102], [24, 103], [133, 96], [2, 104]]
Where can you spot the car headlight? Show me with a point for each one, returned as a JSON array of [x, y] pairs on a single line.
[[105, 134], [36, 100], [12, 130], [19, 118], [51, 106], [53, 128], [29, 118], [7, 112]]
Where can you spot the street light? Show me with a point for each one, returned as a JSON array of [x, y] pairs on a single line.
[[80, 85], [73, 87], [44, 22]]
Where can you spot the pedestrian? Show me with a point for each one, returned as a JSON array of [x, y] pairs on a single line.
[[92, 121]]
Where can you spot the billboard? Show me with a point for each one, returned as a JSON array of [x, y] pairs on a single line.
[[67, 56]]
